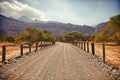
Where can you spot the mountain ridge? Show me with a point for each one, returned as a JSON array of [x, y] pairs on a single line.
[[9, 26]]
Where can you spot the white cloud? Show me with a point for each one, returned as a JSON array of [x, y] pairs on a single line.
[[17, 9]]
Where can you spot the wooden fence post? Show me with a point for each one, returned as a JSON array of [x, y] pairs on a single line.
[[21, 50], [81, 44], [49, 43], [93, 48], [36, 46], [29, 48], [87, 47], [41, 44], [53, 42], [3, 53], [76, 43], [44, 44], [84, 46], [103, 52]]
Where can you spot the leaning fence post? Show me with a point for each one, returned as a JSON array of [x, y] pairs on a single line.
[[49, 43], [21, 50], [36, 46], [41, 44], [3, 53], [44, 44], [93, 48], [87, 47], [29, 48], [81, 44], [84, 46], [103, 52]]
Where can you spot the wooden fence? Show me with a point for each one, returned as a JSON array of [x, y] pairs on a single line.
[[38, 45], [86, 46]]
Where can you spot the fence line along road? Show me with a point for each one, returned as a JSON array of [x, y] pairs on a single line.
[[85, 44], [60, 62], [37, 45]]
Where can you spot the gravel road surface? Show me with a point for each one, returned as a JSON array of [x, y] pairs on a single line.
[[62, 61]]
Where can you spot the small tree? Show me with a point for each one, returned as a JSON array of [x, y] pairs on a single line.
[[33, 35], [72, 36], [111, 32], [114, 27]]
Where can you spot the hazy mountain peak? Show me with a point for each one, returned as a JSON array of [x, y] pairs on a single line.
[[25, 19]]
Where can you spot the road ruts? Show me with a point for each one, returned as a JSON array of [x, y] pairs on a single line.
[[60, 62]]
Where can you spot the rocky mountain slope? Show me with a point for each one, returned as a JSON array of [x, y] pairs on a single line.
[[9, 26]]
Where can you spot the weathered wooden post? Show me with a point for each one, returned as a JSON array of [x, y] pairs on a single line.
[[49, 43], [87, 47], [84, 46], [103, 52], [29, 48], [93, 48], [41, 44], [36, 46], [44, 44], [3, 53], [21, 50], [81, 44], [53, 42], [76, 43]]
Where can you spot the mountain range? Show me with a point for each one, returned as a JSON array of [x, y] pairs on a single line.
[[10, 26]]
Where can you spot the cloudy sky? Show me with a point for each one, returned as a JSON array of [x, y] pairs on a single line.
[[89, 12]]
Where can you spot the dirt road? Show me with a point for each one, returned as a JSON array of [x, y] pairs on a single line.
[[60, 62]]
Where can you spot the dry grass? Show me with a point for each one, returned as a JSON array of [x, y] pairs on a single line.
[[13, 50], [112, 53]]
